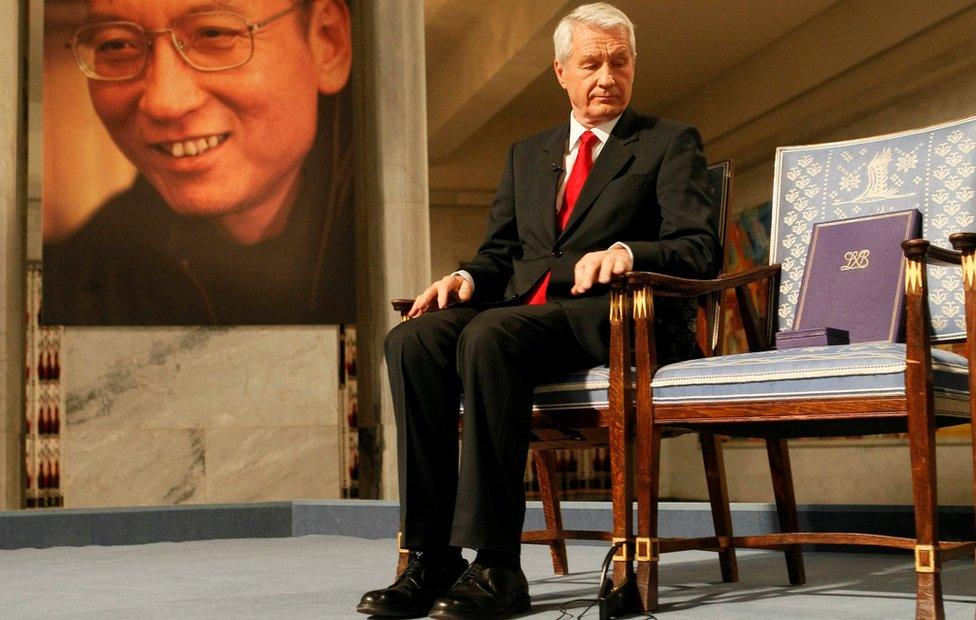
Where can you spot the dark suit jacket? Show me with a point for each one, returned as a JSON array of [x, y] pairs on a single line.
[[647, 188]]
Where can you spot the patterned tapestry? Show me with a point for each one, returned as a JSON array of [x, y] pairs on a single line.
[[44, 404], [930, 169], [348, 413], [746, 245]]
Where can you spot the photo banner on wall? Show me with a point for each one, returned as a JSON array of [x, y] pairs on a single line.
[[198, 166]]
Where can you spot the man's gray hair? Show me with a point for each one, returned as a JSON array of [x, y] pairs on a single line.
[[598, 15]]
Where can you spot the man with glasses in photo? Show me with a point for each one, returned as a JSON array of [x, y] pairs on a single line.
[[237, 120]]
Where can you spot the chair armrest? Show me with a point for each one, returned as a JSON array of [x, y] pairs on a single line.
[[924, 248], [642, 283], [964, 242], [402, 306], [687, 287]]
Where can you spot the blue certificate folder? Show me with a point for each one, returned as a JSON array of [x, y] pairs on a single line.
[[854, 276]]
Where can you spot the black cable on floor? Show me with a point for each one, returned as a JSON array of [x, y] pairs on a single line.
[[606, 585]]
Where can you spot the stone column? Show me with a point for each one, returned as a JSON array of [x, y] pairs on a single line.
[[392, 212], [13, 183]]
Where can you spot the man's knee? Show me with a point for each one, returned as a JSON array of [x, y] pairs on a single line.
[[403, 339], [428, 335], [487, 332]]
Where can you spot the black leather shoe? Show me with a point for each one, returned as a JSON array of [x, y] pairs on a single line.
[[484, 591], [414, 591]]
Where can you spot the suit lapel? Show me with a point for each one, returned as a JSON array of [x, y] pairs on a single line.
[[549, 175], [616, 152]]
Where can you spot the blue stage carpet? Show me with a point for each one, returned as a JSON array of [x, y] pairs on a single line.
[[322, 576]]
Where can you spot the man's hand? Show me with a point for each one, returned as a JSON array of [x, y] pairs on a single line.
[[600, 267], [448, 290]]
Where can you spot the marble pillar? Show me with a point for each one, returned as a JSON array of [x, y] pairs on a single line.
[[392, 209], [13, 164]]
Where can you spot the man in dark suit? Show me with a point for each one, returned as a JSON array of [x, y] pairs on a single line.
[[532, 304]]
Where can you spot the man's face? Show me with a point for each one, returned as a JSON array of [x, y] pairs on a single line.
[[598, 75], [251, 126]]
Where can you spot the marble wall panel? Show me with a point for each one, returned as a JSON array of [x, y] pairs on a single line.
[[180, 378], [124, 467], [159, 416], [263, 464]]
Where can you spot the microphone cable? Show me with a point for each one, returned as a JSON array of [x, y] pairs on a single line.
[[605, 587]]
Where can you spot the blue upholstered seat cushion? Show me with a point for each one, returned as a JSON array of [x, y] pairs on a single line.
[[585, 388], [866, 369]]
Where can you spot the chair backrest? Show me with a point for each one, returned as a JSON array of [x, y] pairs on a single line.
[[720, 184], [931, 169], [688, 326]]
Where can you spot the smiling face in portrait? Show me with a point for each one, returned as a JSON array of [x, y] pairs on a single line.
[[226, 143], [598, 75]]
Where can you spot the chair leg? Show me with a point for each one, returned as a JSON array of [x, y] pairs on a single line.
[[928, 593], [545, 468], [403, 555], [718, 496], [648, 493], [972, 428], [779, 467]]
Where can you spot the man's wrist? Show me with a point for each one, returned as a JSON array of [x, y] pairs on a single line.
[[621, 244], [467, 277]]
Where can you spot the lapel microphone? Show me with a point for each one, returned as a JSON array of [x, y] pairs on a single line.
[[557, 168]]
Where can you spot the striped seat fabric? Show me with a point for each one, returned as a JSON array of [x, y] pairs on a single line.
[[585, 388], [866, 369]]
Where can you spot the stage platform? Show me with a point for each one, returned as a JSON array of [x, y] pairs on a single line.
[[320, 577], [373, 519], [315, 559]]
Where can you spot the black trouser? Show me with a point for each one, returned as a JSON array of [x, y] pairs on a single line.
[[495, 358]]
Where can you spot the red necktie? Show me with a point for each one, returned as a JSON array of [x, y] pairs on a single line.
[[581, 170]]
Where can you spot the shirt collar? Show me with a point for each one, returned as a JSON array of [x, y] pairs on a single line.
[[601, 131]]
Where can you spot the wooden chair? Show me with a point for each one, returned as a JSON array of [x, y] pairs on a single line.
[[594, 408], [841, 390]]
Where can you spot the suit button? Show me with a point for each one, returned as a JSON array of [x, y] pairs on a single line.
[[557, 254]]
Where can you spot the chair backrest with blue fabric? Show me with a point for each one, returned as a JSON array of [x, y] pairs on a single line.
[[932, 170]]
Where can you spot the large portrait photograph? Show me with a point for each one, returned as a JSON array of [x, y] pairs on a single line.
[[198, 163]]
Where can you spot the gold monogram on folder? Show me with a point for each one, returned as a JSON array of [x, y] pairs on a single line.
[[856, 259]]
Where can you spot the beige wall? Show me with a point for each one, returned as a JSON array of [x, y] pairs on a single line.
[[455, 234]]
